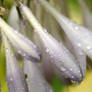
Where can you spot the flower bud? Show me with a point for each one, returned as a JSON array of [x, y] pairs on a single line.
[[22, 45], [35, 80], [74, 35], [60, 56], [15, 76]]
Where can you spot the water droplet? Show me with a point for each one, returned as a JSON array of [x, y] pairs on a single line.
[[6, 49], [76, 28], [88, 47], [11, 79], [19, 52], [79, 45], [72, 76], [71, 69], [63, 69]]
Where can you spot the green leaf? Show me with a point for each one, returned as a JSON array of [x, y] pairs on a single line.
[[8, 3], [2, 64], [4, 87], [89, 4], [57, 85], [74, 11]]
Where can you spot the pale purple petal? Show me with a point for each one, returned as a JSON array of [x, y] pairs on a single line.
[[14, 21], [81, 36], [35, 80], [76, 34], [60, 56], [15, 76], [22, 45], [48, 72]]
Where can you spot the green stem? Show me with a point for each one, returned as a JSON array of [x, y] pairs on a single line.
[[1, 2]]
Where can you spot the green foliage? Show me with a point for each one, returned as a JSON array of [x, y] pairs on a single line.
[[57, 85], [4, 87], [2, 64], [8, 3], [89, 4], [74, 11]]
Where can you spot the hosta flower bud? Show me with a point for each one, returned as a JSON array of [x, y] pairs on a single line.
[[15, 76], [48, 72], [81, 36], [60, 56], [70, 28], [14, 21], [23, 46], [81, 57], [35, 80]]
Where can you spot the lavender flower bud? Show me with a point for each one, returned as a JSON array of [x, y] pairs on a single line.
[[74, 35], [35, 79], [14, 21], [23, 46], [60, 56], [15, 76]]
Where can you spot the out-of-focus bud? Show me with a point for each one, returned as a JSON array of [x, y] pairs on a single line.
[[35, 80], [87, 14], [15, 75], [23, 45], [14, 21]]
